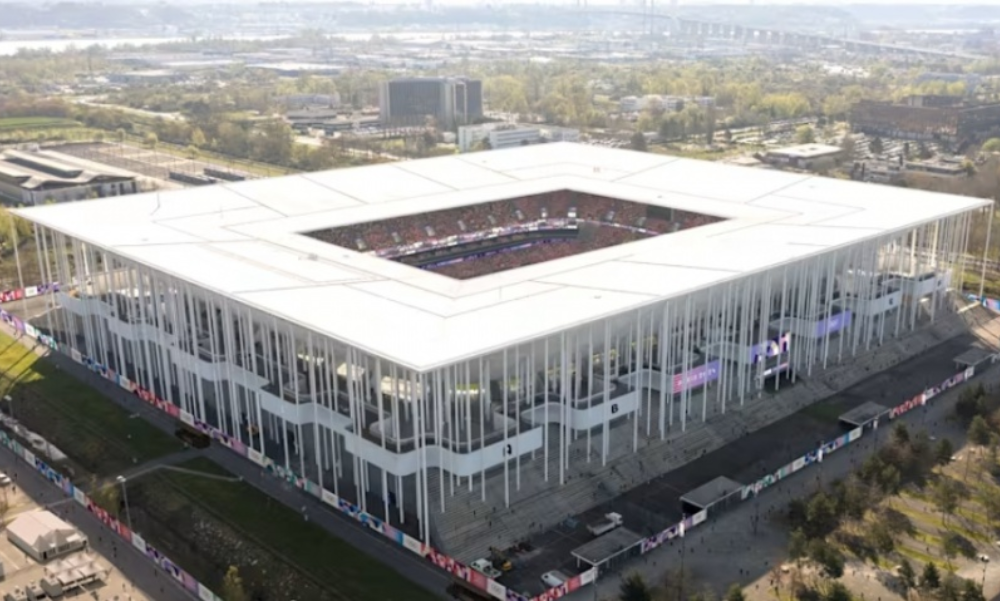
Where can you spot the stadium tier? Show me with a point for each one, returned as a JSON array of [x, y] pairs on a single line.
[[457, 344]]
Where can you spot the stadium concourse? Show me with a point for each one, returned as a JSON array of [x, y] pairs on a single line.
[[460, 352]]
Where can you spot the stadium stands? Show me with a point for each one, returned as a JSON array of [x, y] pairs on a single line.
[[598, 221]]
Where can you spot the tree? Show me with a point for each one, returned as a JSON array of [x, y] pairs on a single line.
[[638, 142], [881, 537], [972, 592], [735, 593], [950, 547], [150, 140], [991, 145], [198, 138], [990, 499], [944, 494], [805, 135], [979, 431], [901, 434], [232, 586], [827, 557], [798, 545], [837, 592], [634, 588], [950, 589], [889, 480], [943, 451], [931, 578], [821, 515], [906, 574]]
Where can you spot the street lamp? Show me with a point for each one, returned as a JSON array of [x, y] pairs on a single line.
[[128, 516]]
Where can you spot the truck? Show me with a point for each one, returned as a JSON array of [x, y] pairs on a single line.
[[610, 522]]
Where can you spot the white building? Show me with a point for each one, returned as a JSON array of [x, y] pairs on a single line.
[[659, 102], [43, 536], [498, 136], [423, 397]]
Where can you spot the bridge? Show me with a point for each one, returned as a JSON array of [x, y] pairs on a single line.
[[685, 26]]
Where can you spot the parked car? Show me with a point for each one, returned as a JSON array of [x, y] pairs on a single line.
[[484, 567], [5, 480], [553, 578]]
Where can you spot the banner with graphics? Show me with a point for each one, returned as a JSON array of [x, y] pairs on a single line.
[[696, 376]]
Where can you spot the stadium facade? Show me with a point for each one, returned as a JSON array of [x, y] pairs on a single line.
[[397, 387]]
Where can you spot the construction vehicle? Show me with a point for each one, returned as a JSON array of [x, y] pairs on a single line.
[[500, 561]]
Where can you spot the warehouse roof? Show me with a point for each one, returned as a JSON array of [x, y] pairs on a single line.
[[41, 168], [247, 241]]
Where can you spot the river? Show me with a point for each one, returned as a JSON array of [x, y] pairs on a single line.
[[10, 47]]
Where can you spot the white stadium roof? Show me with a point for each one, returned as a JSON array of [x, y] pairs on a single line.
[[245, 241]]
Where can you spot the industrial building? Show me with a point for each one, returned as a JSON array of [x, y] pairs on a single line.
[[34, 177], [497, 136], [451, 101], [440, 340], [951, 119], [805, 156]]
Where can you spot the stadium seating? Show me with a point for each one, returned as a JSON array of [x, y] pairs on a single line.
[[411, 229]]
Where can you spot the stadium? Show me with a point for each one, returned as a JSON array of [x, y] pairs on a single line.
[[456, 346]]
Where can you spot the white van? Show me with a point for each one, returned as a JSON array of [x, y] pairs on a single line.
[[484, 567]]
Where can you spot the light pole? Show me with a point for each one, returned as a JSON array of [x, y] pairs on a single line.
[[128, 516]]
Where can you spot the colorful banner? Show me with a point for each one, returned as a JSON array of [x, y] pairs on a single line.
[[696, 376], [990, 303]]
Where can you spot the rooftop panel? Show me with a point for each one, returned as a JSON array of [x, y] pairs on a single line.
[[247, 241]]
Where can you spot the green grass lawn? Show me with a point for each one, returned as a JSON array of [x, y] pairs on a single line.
[[99, 436], [15, 123], [275, 540]]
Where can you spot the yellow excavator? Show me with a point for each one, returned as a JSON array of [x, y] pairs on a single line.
[[500, 561]]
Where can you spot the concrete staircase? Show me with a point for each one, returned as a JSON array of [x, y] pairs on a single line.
[[467, 526]]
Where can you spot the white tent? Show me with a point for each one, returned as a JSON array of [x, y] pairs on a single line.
[[44, 536]]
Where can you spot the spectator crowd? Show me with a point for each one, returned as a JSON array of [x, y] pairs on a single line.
[[600, 222]]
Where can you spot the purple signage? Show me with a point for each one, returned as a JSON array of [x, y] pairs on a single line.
[[834, 324], [771, 348], [696, 376]]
